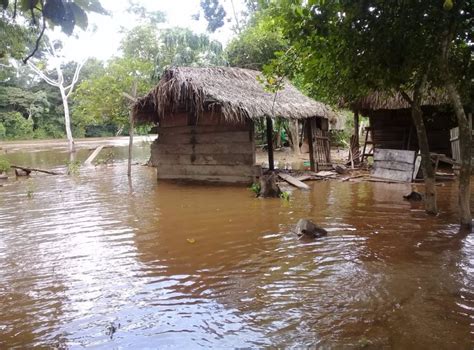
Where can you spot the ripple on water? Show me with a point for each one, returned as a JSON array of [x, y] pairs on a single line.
[[212, 267]]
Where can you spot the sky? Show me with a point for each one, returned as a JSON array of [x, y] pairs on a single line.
[[105, 41]]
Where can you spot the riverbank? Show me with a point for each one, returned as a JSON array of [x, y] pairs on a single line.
[[62, 144]]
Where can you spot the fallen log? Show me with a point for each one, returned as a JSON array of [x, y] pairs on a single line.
[[93, 155], [29, 170], [293, 181]]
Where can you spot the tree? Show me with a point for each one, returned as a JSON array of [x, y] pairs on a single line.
[[455, 53], [147, 51], [346, 49], [59, 81], [99, 99], [182, 47], [256, 45]]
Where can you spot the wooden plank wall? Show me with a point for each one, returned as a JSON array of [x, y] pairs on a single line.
[[393, 164], [394, 129], [214, 153]]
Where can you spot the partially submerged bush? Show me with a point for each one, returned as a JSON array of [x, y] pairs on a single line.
[[4, 165], [255, 188], [73, 167]]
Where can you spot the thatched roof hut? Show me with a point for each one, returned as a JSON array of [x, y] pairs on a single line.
[[236, 93], [390, 100], [391, 123], [206, 122]]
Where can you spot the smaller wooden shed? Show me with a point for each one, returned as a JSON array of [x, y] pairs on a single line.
[[392, 127], [206, 116]]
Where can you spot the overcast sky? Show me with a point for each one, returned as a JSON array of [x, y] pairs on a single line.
[[105, 41]]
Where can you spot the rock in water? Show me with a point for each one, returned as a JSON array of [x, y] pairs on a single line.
[[22, 172], [309, 229], [413, 196]]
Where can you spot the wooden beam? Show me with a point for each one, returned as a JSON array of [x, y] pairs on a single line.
[[356, 126], [271, 164], [94, 154], [294, 181], [309, 135], [131, 120]]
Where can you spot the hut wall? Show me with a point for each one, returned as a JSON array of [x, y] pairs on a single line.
[[394, 129], [211, 151]]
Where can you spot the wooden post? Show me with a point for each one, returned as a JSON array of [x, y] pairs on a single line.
[[132, 124], [130, 146], [271, 164], [356, 126], [309, 134]]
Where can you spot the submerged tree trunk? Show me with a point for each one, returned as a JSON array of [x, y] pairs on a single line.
[[426, 165], [67, 120]]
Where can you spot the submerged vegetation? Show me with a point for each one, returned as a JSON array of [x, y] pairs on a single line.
[[4, 165]]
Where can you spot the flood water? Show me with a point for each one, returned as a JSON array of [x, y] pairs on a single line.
[[187, 267]]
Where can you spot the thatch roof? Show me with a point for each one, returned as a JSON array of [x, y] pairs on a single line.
[[379, 100], [236, 92]]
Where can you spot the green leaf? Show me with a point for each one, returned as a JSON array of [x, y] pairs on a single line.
[[79, 15], [92, 6], [5, 4], [55, 11]]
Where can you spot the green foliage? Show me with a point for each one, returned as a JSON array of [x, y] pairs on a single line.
[[182, 47], [16, 126], [255, 188], [30, 104], [256, 45], [339, 138], [63, 13], [285, 196], [99, 100], [4, 165], [73, 167], [3, 132], [345, 49], [141, 42]]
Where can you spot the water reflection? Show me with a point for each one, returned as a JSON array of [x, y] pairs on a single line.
[[212, 267]]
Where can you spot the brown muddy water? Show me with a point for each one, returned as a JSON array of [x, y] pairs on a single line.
[[188, 267]]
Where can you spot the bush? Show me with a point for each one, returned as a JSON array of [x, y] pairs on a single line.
[[3, 132], [4, 165], [339, 138], [16, 126]]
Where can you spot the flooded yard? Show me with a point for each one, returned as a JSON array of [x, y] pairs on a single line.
[[95, 260]]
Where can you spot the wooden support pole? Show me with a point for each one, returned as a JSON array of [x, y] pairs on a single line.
[[309, 135], [356, 126], [132, 124], [271, 164], [130, 146]]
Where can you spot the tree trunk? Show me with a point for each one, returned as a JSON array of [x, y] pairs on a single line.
[[426, 165], [465, 133], [465, 142], [293, 136], [67, 121]]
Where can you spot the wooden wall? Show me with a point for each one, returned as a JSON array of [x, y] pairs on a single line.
[[211, 151], [394, 129]]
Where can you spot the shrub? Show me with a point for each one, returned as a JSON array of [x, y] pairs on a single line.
[[16, 126], [4, 165]]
